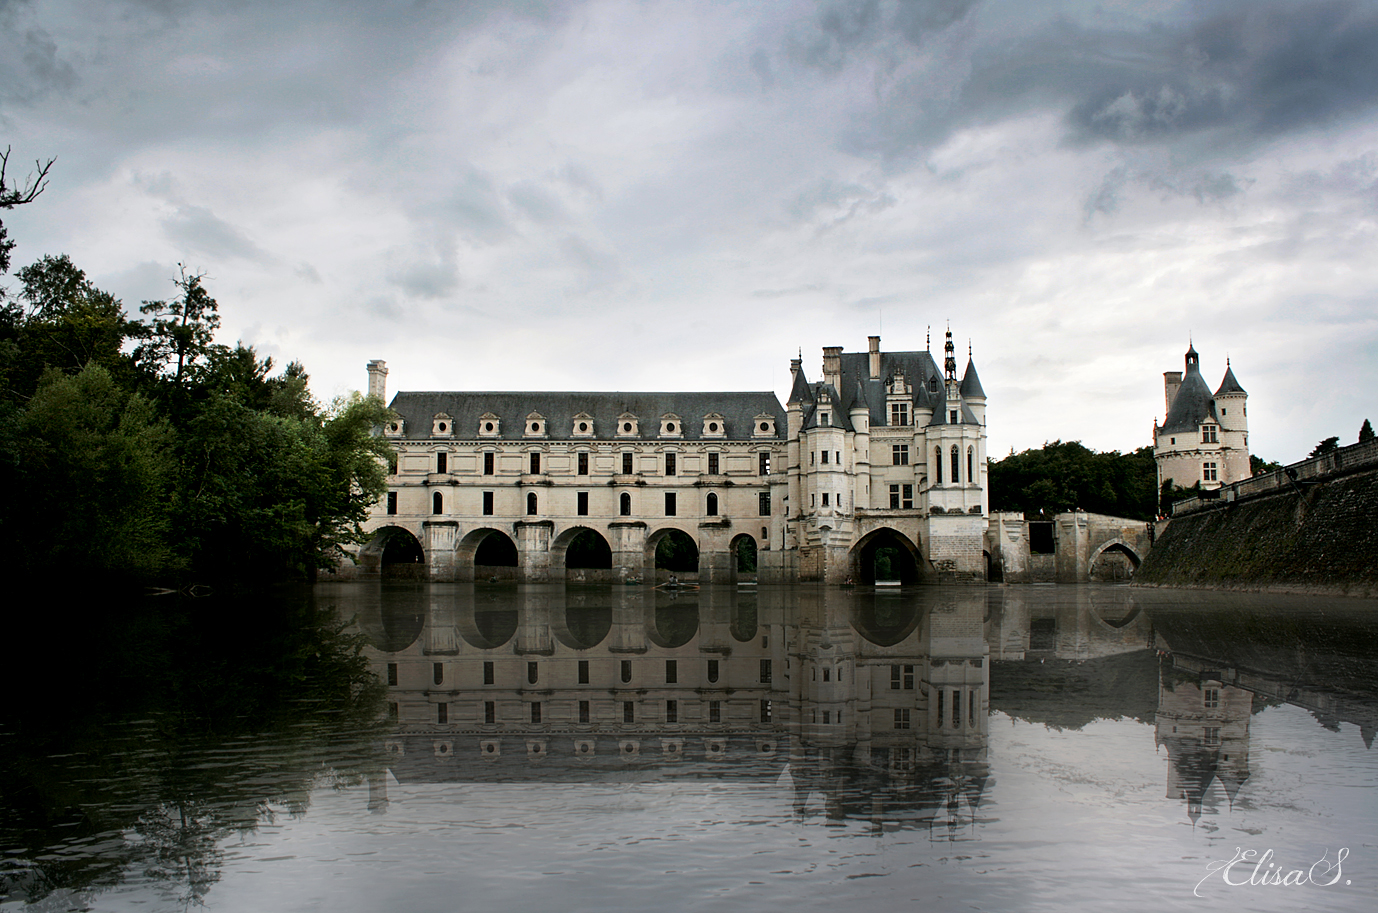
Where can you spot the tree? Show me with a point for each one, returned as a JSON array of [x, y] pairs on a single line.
[[1259, 466], [12, 195], [1365, 432], [1062, 476], [1329, 445], [183, 328]]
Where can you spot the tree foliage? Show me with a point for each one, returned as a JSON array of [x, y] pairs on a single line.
[[1064, 476], [1259, 466], [1329, 445], [1365, 432]]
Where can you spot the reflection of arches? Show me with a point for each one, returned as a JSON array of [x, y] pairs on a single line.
[[885, 551], [743, 547], [487, 626], [673, 622], [885, 619], [583, 627], [581, 548], [394, 551], [672, 550], [1118, 623], [1114, 560], [743, 619]]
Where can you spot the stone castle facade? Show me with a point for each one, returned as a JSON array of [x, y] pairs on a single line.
[[877, 466], [1205, 436]]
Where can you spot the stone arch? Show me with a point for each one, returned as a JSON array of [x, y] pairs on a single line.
[[487, 553], [744, 556], [584, 553], [906, 560], [1112, 568], [394, 551], [681, 557]]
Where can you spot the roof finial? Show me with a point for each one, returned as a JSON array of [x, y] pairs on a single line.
[[950, 358], [970, 356], [928, 339]]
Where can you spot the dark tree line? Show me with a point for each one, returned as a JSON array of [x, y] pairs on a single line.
[[145, 450], [1064, 476]]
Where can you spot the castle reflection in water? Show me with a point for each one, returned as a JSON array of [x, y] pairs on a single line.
[[868, 704]]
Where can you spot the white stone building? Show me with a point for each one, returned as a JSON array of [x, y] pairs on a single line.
[[882, 460], [1205, 436]]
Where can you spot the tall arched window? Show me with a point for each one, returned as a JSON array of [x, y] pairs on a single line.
[[971, 465], [625, 504], [531, 504], [712, 504], [437, 503], [938, 465], [956, 463]]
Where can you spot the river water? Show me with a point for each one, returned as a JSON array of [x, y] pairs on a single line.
[[450, 747]]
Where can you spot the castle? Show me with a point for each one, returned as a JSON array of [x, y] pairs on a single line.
[[1205, 436], [878, 469]]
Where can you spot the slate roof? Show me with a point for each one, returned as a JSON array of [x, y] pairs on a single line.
[[1229, 384], [917, 367], [971, 384], [738, 409], [1192, 405]]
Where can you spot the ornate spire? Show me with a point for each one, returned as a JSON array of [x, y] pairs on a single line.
[[950, 357]]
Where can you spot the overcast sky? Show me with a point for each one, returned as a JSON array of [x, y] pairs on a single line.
[[681, 195]]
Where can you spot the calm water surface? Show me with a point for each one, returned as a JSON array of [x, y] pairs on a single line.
[[536, 747]]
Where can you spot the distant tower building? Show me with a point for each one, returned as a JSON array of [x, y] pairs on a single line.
[[1205, 436]]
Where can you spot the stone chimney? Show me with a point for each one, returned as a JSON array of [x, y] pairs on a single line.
[[1171, 381], [875, 357], [832, 365], [378, 379]]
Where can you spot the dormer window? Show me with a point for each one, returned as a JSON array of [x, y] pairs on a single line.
[[627, 425], [1210, 434], [899, 413], [714, 425], [825, 418], [582, 425], [488, 425], [763, 425], [671, 426], [394, 428], [534, 425], [442, 426]]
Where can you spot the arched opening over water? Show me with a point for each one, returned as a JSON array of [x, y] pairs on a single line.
[[584, 553], [673, 551], [743, 548], [886, 555], [395, 552], [490, 552], [1113, 561]]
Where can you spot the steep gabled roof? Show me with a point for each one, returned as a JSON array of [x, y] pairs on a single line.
[[800, 392], [917, 367], [1229, 384], [971, 384]]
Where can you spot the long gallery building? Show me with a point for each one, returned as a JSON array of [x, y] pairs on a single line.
[[877, 467]]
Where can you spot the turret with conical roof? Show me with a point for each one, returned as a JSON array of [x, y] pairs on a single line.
[[1204, 436]]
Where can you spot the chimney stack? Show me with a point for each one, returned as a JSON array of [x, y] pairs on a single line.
[[875, 357], [378, 379]]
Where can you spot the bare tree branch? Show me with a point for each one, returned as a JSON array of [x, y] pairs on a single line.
[[33, 185]]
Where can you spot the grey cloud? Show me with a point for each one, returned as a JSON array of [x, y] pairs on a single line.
[[309, 273], [1105, 199], [537, 202], [831, 203], [40, 56], [428, 278], [788, 292], [587, 256], [200, 230]]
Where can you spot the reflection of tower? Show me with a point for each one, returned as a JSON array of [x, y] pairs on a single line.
[[1204, 724]]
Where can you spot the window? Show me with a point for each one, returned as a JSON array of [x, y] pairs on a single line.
[[1209, 472], [899, 413], [765, 711], [938, 464], [827, 674], [581, 503], [441, 461], [626, 671], [713, 464], [583, 672], [488, 672], [669, 503], [894, 497], [442, 713], [1208, 435], [487, 503], [1041, 540], [535, 711], [531, 504], [837, 457], [672, 711], [902, 677], [901, 719], [938, 695], [712, 507], [971, 707], [956, 709], [952, 417], [899, 454], [825, 499], [437, 503], [490, 711], [825, 418], [671, 672], [532, 673], [392, 673], [625, 504], [583, 463], [488, 458], [712, 670], [763, 504], [971, 465], [827, 717], [392, 711], [824, 459], [1212, 735], [907, 496], [715, 711], [956, 461], [765, 672], [763, 464], [669, 464], [583, 711], [535, 464], [392, 502], [1211, 698], [628, 712], [627, 462], [438, 673]]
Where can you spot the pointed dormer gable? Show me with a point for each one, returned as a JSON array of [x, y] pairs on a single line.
[[535, 425], [581, 425], [671, 426], [763, 426], [714, 426], [628, 425], [489, 426], [442, 425]]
